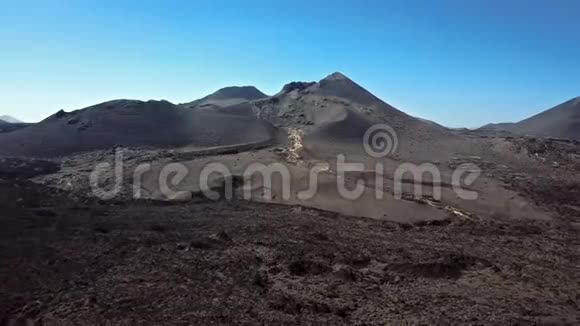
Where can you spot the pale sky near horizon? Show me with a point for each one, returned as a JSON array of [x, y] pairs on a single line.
[[459, 63]]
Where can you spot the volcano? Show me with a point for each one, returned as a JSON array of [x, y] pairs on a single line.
[[227, 96]]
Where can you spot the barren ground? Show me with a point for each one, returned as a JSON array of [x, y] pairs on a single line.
[[79, 261], [69, 259]]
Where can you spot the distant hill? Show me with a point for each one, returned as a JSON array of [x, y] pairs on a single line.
[[228, 96], [9, 119], [561, 121], [132, 123], [498, 126], [9, 124]]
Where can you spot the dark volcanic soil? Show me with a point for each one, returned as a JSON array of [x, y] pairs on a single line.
[[157, 124], [215, 263]]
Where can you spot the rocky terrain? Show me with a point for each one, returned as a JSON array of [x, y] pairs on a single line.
[[70, 261]]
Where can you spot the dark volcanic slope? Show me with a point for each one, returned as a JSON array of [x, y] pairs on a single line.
[[562, 121], [132, 123], [9, 127], [228, 96]]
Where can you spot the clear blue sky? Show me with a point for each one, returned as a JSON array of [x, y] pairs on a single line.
[[460, 63]]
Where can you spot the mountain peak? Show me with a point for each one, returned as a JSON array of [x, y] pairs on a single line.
[[243, 92], [228, 96], [336, 76]]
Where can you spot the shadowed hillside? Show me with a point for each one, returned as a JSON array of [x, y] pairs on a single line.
[[561, 121], [132, 123]]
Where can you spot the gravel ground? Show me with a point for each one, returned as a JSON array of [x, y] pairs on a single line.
[[67, 261]]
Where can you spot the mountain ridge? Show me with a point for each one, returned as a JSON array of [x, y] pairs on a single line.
[[228, 96], [132, 123], [560, 121]]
